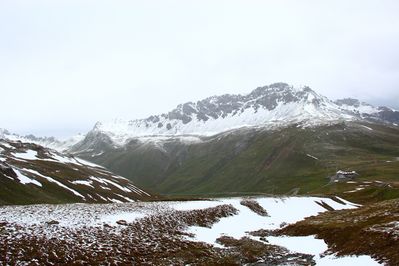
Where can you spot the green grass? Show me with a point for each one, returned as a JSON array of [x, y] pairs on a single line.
[[273, 162]]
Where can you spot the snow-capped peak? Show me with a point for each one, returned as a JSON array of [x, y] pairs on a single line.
[[278, 104]]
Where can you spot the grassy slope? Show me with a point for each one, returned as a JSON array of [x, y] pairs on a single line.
[[274, 162]]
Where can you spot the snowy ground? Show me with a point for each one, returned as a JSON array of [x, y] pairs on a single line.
[[282, 211], [56, 221]]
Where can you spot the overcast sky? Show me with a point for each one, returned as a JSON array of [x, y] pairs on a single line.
[[66, 64]]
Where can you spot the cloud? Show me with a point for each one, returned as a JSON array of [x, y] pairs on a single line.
[[66, 64]]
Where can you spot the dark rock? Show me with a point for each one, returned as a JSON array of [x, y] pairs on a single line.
[[122, 222], [52, 222], [7, 170]]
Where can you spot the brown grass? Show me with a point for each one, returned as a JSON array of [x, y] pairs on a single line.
[[362, 231], [254, 206]]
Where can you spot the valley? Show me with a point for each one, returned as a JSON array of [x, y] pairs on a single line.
[[279, 176], [255, 161], [199, 133]]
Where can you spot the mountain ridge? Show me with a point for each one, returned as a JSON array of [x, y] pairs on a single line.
[[283, 140], [50, 142], [274, 105]]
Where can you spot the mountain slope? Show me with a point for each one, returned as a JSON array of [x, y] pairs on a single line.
[[280, 161], [30, 173], [276, 139]]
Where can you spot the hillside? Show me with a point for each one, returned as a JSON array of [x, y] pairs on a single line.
[[277, 139], [280, 161], [30, 173]]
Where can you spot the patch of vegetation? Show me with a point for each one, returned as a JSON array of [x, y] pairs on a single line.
[[252, 251], [254, 206]]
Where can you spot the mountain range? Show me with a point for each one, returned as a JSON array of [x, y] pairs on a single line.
[[276, 139], [273, 106]]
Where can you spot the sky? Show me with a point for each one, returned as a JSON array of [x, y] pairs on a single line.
[[66, 64]]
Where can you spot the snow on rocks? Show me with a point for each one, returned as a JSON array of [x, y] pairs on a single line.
[[101, 234], [146, 230], [280, 211], [195, 205]]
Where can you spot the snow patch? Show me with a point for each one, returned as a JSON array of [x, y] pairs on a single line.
[[56, 182], [26, 180], [28, 155], [195, 205], [281, 210], [355, 190], [316, 247], [84, 162], [106, 182], [125, 198], [369, 128], [83, 182], [311, 156]]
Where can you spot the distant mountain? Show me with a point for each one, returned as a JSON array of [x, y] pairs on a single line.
[[276, 139], [50, 142], [368, 112], [30, 173], [276, 105]]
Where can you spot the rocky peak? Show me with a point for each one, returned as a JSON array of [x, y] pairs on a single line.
[[266, 97], [348, 101], [277, 104]]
